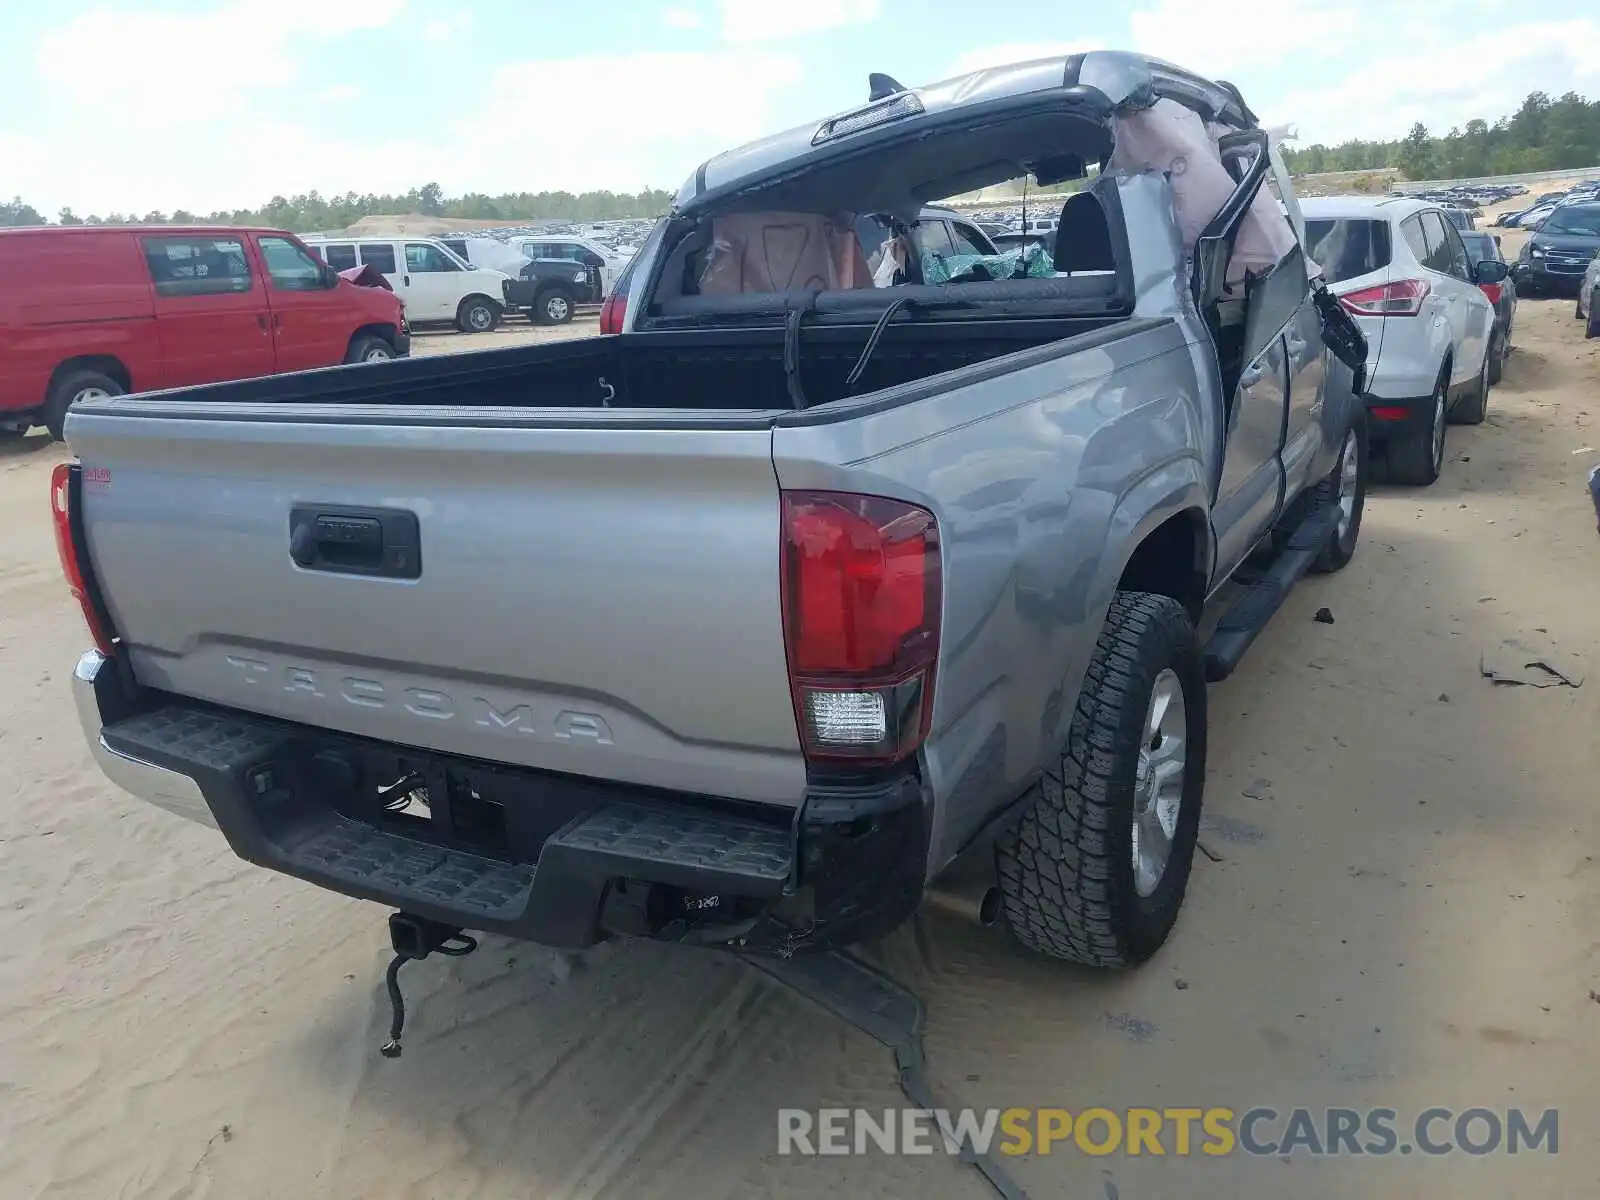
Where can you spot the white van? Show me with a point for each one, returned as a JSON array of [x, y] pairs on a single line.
[[430, 279]]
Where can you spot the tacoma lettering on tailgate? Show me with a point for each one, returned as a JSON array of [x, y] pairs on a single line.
[[429, 704]]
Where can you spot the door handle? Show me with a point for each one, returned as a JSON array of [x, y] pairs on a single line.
[[407, 279], [382, 542], [261, 320]]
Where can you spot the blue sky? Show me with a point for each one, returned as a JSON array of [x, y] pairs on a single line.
[[141, 104]]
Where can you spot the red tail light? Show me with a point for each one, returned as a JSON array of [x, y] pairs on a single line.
[[1492, 290], [1403, 298], [612, 312], [62, 494], [861, 598]]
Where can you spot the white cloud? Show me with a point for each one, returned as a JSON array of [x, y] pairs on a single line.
[[1256, 33], [657, 117], [442, 29], [1015, 52], [683, 18], [1439, 84], [139, 69], [771, 20], [339, 93]]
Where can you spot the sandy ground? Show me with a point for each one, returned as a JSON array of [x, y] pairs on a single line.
[[515, 331], [1403, 909]]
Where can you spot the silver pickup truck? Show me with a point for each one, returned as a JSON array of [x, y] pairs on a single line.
[[743, 625]]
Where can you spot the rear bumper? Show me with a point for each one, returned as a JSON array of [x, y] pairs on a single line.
[[1392, 420], [559, 860]]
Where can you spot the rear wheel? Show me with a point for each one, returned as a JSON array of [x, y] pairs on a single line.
[[1499, 347], [1096, 871], [1592, 329], [1475, 405], [477, 314], [369, 347], [1346, 488], [553, 307], [1419, 458], [71, 387]]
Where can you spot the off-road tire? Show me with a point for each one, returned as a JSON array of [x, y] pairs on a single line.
[[1066, 870], [1499, 347], [1592, 329], [68, 387], [477, 314], [1341, 547], [1412, 460]]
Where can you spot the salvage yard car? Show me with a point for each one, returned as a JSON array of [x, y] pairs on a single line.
[[740, 626], [434, 284], [96, 310], [1401, 268]]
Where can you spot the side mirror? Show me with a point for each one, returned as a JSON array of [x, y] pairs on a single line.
[[1490, 271]]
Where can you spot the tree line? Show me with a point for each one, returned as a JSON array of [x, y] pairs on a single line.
[[1542, 135], [313, 211]]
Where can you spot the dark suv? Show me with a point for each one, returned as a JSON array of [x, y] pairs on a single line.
[[1554, 260]]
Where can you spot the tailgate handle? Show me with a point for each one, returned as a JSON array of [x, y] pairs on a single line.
[[382, 542]]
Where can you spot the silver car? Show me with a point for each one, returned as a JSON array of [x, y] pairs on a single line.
[[1589, 299], [1401, 268]]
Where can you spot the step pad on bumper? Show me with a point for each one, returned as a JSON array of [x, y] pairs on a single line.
[[680, 848], [402, 867]]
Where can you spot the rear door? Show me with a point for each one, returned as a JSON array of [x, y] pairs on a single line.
[[212, 318], [386, 259], [311, 322], [1450, 282], [433, 288]]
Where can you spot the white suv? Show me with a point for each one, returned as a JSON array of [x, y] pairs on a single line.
[[1399, 266]]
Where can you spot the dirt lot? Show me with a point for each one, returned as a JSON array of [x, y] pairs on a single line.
[[1399, 908], [514, 332]]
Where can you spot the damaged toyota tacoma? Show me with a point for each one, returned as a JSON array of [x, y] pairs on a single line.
[[850, 557]]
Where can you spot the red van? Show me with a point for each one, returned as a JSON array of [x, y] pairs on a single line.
[[92, 310]]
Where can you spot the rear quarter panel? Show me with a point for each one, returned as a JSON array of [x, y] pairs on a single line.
[[1044, 478], [67, 295]]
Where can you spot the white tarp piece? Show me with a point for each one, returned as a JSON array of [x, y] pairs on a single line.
[[1170, 138]]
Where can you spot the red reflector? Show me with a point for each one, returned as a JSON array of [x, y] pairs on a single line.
[[67, 550], [612, 312], [1402, 298], [861, 592], [1389, 412], [1491, 290]]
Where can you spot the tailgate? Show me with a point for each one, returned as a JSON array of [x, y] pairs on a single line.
[[596, 600]]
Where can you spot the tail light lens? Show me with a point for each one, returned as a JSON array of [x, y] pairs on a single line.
[[1403, 298], [612, 312], [63, 492], [1492, 290], [861, 599]]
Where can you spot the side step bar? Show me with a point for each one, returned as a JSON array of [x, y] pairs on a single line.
[[1261, 600]]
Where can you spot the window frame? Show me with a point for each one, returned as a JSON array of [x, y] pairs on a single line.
[[172, 288], [316, 283], [964, 229], [1413, 224], [350, 246], [388, 248], [450, 264]]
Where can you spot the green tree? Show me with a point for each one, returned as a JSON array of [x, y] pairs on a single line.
[[1416, 153], [15, 212], [67, 217]]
